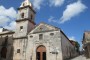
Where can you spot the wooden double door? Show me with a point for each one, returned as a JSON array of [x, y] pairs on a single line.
[[41, 53]]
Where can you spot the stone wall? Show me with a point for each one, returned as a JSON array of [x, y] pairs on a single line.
[[7, 45], [20, 46], [68, 50], [51, 40], [22, 33]]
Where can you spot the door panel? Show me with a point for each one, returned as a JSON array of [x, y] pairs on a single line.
[[38, 55], [41, 53], [44, 55]]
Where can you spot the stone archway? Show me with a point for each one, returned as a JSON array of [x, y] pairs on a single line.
[[41, 53]]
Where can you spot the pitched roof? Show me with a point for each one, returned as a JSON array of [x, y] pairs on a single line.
[[43, 27], [6, 31]]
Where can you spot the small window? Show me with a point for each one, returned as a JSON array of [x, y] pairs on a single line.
[[51, 34], [3, 52], [31, 36], [22, 15], [18, 50], [6, 41], [41, 28], [21, 28], [40, 36]]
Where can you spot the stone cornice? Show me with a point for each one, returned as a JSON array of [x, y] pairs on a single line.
[[20, 37], [24, 19], [44, 31], [7, 32], [27, 7]]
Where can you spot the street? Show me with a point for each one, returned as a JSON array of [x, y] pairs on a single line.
[[81, 57]]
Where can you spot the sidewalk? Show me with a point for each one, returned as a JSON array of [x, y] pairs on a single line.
[[81, 57]]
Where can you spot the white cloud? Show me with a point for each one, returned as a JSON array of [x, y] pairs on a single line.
[[7, 12], [4, 20], [37, 3], [51, 19], [72, 38], [72, 10], [7, 16], [56, 2], [11, 26]]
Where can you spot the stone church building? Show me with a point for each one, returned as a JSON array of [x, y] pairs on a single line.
[[34, 42]]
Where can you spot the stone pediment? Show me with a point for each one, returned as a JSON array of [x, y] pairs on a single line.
[[42, 27]]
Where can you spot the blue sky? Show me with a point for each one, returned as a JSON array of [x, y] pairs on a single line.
[[72, 16]]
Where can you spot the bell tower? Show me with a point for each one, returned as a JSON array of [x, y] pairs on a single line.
[[24, 24], [26, 11], [25, 19]]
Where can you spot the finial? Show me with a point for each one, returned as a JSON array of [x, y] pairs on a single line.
[[26, 0], [26, 3]]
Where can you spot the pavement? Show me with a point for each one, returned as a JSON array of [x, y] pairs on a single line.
[[81, 57]]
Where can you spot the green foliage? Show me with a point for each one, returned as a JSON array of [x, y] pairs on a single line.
[[77, 46]]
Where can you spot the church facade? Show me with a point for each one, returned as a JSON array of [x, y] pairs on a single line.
[[34, 42]]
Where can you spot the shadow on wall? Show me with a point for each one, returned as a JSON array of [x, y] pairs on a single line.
[[6, 48]]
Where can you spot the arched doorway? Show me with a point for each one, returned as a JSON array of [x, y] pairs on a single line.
[[3, 52], [41, 53]]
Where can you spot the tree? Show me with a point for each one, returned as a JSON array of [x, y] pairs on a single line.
[[77, 46]]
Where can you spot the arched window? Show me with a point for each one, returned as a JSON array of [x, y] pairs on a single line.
[[3, 52], [31, 17], [5, 43], [22, 15], [6, 39]]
